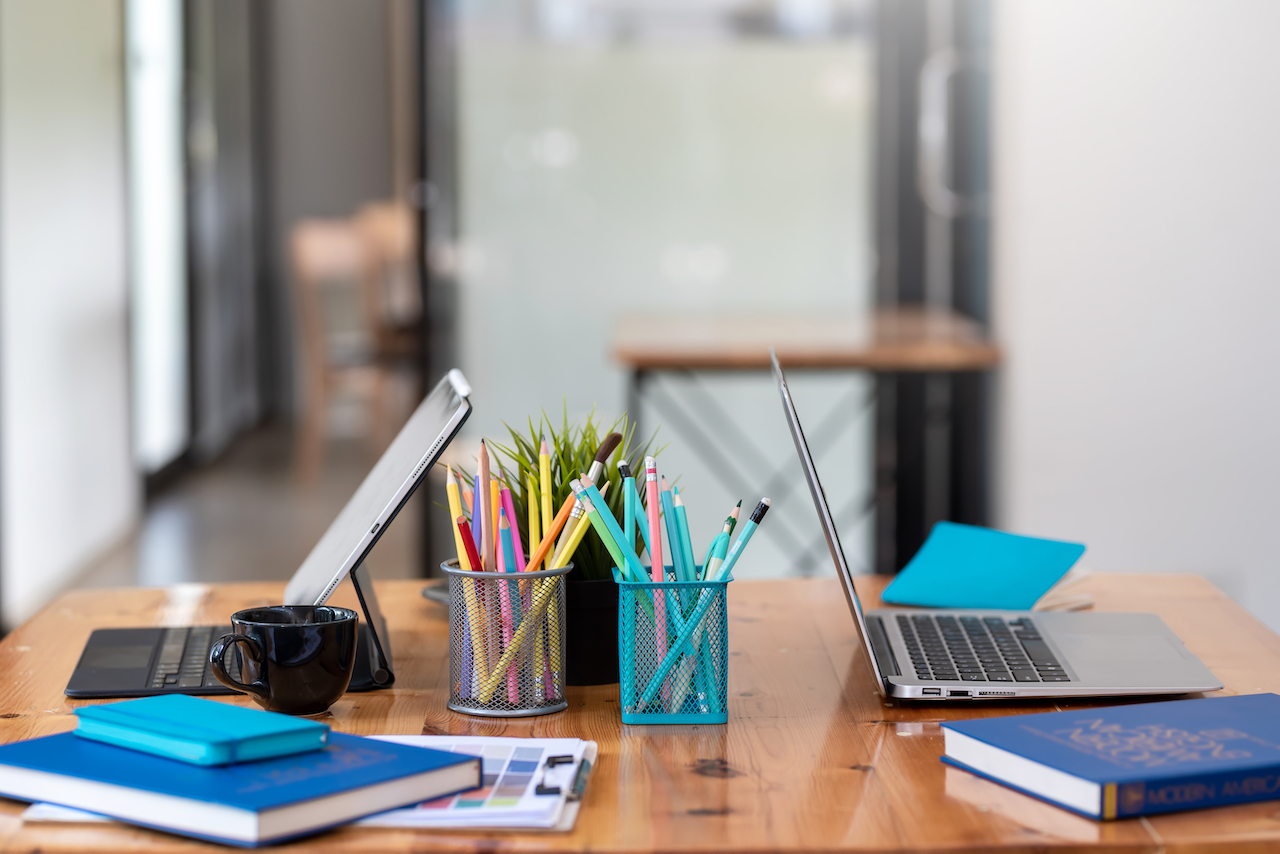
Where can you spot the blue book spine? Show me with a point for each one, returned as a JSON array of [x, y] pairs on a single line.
[[1133, 798]]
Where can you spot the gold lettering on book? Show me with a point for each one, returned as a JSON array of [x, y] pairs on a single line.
[[1251, 787], [1151, 745]]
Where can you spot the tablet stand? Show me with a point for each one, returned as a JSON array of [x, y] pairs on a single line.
[[373, 650]]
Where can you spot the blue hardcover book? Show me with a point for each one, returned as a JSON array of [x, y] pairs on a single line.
[[202, 732], [1131, 760], [249, 804]]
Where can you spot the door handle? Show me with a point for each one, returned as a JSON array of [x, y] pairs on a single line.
[[933, 138]]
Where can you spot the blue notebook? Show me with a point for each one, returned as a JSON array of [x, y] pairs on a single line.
[[202, 732], [249, 804], [1131, 760], [964, 566]]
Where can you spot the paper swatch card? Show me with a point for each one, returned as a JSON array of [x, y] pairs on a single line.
[[964, 566]]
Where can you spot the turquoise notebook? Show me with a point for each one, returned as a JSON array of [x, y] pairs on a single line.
[[964, 566], [200, 732]]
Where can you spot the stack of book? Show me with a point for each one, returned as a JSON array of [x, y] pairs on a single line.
[[225, 773]]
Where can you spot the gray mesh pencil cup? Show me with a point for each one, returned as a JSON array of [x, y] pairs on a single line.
[[506, 641], [673, 651]]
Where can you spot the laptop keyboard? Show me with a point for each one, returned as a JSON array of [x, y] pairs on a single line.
[[978, 649], [184, 659]]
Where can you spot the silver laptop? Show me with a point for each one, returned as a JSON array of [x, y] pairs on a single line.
[[979, 655]]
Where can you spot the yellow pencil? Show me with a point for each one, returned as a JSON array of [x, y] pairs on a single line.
[[535, 520], [575, 537], [455, 510], [544, 476], [479, 659], [553, 614], [495, 506], [541, 598]]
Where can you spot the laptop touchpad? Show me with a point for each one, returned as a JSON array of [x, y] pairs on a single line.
[[1116, 648], [1122, 650]]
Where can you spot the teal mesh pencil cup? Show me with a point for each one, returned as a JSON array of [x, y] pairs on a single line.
[[673, 651]]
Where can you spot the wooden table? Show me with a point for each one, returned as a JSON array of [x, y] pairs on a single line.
[[811, 759], [930, 415], [890, 339]]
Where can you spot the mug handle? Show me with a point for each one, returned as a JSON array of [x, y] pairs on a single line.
[[257, 688]]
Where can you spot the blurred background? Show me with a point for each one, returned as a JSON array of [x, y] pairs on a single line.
[[239, 240]]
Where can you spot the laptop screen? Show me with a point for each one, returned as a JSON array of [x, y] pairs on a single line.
[[824, 516]]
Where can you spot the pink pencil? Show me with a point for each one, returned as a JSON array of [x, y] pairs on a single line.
[[653, 504], [510, 507]]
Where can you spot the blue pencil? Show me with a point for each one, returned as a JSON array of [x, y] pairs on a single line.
[[476, 522], [673, 534], [686, 543], [694, 623]]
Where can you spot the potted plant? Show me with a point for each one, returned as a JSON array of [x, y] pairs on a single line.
[[591, 595]]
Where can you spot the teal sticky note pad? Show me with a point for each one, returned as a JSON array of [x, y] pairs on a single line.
[[963, 566]]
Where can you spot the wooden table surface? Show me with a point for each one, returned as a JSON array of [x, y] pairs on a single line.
[[812, 759], [891, 339]]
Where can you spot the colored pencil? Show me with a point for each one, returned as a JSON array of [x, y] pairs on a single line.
[[628, 503], [465, 491], [455, 510], [694, 623], [748, 529], [608, 529], [579, 531], [509, 505], [477, 520], [470, 615], [550, 534], [535, 517], [656, 567], [487, 556], [542, 594], [495, 504], [720, 545], [686, 544], [511, 606], [475, 614], [544, 482], [605, 448], [673, 534]]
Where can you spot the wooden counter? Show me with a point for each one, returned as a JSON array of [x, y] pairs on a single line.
[[811, 760]]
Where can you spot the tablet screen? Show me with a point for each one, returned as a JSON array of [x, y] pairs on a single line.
[[386, 489]]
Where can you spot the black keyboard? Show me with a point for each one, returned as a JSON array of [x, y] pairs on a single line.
[[183, 662], [978, 649]]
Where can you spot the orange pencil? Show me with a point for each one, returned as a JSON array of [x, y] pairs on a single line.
[[549, 538], [468, 497]]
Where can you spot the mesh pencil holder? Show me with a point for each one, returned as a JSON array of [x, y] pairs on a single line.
[[506, 641], [673, 651]]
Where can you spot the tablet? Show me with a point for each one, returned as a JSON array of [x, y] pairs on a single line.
[[393, 479]]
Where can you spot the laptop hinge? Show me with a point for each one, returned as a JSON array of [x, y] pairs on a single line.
[[880, 647]]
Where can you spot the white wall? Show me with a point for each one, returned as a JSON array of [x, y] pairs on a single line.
[[66, 479], [1137, 204]]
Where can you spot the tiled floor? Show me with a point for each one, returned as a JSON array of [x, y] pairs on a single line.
[[246, 517]]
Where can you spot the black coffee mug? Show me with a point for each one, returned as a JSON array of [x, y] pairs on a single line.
[[299, 657]]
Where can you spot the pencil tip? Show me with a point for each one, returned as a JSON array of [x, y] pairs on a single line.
[[739, 504]]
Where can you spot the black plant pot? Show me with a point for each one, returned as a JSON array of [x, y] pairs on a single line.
[[591, 632]]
